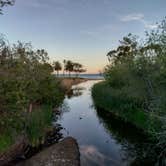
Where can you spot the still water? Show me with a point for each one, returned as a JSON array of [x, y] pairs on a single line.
[[102, 139]]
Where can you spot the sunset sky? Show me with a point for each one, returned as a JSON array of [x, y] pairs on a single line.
[[79, 30]]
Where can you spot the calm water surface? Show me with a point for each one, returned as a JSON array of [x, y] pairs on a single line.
[[103, 140]]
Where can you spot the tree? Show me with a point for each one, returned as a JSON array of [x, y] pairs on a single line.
[[78, 68], [69, 66], [57, 67], [126, 50], [64, 63], [5, 3]]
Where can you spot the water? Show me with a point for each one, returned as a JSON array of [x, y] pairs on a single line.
[[103, 140], [87, 76]]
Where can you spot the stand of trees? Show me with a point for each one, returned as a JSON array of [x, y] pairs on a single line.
[[69, 67]]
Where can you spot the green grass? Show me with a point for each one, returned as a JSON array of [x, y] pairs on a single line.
[[5, 141], [34, 125], [37, 124], [124, 107]]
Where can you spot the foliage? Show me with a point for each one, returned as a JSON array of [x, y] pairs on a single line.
[[37, 124], [73, 67], [57, 66], [26, 84], [5, 3], [128, 109]]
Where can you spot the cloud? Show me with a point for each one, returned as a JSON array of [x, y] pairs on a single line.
[[95, 157], [132, 17], [45, 4], [138, 17]]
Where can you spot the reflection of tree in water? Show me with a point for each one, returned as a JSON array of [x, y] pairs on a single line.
[[75, 92], [58, 112], [138, 150]]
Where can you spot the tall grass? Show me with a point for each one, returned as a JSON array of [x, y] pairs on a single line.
[[34, 126], [37, 124], [128, 109]]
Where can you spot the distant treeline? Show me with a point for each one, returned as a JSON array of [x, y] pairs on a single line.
[[68, 66]]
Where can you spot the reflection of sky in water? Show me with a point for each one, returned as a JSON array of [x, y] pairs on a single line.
[[90, 155], [98, 145]]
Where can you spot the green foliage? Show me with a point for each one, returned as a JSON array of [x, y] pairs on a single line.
[[73, 67], [122, 106], [26, 84], [5, 141], [25, 78], [37, 123]]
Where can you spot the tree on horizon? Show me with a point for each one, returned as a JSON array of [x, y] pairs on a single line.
[[57, 67]]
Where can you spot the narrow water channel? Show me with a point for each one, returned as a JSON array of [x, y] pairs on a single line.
[[103, 140]]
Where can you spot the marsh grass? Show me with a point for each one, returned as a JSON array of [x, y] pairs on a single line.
[[37, 124], [128, 109]]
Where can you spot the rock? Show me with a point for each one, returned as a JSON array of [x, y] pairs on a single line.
[[64, 153], [15, 150]]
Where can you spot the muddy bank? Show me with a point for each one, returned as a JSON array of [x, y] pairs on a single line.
[[64, 153], [67, 83]]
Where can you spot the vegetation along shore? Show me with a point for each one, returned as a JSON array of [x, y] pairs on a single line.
[[134, 86]]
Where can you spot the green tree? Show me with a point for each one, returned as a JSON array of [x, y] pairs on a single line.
[[64, 64], [78, 68], [69, 66], [57, 67]]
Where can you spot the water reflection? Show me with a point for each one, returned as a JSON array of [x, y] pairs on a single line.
[[90, 155], [75, 92], [137, 148]]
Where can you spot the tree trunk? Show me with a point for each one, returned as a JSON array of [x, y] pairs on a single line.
[[30, 108]]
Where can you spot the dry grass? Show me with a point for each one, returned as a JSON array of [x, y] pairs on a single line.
[[67, 83]]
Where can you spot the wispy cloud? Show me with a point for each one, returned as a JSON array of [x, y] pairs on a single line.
[[138, 17], [46, 4], [100, 32], [132, 17]]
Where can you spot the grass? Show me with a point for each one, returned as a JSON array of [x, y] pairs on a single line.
[[35, 125], [5, 141], [124, 107]]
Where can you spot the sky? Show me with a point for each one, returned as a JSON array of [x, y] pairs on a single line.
[[79, 30]]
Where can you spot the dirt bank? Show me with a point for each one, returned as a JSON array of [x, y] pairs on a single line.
[[67, 83]]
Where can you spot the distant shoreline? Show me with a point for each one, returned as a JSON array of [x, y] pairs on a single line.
[[83, 76]]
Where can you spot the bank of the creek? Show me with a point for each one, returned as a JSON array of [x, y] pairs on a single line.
[[102, 139]]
